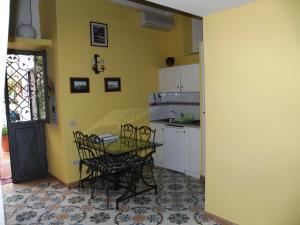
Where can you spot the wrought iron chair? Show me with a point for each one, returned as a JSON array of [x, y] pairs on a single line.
[[128, 131], [143, 157], [106, 166], [85, 156]]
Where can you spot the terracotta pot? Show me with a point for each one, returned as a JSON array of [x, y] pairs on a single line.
[[4, 143]]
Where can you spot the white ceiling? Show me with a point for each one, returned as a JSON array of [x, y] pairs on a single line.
[[141, 6], [201, 7]]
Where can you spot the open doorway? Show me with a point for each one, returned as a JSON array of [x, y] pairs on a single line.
[[26, 112]]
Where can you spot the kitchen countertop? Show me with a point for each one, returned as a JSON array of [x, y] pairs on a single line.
[[194, 123]]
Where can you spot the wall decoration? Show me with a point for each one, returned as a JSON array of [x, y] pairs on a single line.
[[99, 34], [98, 64], [112, 84], [79, 85]]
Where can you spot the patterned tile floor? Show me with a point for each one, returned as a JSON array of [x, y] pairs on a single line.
[[180, 200]]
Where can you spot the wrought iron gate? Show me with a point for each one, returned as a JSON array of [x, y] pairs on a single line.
[[26, 109]]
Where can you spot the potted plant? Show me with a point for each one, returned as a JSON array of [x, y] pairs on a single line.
[[4, 142]]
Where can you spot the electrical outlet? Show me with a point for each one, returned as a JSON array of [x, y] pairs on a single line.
[[76, 162], [72, 123]]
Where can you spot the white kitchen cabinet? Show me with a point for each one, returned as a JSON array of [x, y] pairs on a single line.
[[159, 155], [169, 79], [197, 34], [192, 152], [180, 79], [181, 148], [190, 78], [175, 138]]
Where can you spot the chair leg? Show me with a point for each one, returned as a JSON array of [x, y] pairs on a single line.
[[152, 176], [107, 193], [80, 173], [93, 181]]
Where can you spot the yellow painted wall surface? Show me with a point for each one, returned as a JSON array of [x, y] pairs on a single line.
[[179, 40], [54, 134], [252, 56], [134, 54]]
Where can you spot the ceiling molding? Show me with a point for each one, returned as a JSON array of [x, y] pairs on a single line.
[[143, 7]]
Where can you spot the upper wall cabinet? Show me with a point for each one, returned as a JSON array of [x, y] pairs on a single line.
[[169, 79], [192, 35], [197, 34], [180, 79]]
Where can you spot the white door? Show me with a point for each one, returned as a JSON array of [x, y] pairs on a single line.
[[169, 79], [159, 155], [190, 78], [174, 148]]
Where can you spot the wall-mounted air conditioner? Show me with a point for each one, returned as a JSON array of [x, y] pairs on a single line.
[[156, 21]]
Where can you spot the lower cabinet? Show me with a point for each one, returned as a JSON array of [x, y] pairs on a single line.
[[174, 148], [159, 155], [192, 152], [181, 148]]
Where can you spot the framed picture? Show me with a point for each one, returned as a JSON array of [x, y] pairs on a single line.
[[112, 84], [79, 85], [99, 34]]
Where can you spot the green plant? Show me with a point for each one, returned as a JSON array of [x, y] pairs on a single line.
[[4, 131]]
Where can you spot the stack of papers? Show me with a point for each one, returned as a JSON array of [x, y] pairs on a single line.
[[108, 137]]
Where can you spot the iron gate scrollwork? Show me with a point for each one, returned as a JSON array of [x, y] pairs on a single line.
[[26, 87]]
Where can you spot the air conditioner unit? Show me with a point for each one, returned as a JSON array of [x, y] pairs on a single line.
[[156, 21]]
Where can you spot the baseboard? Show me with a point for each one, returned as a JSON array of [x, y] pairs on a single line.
[[218, 219], [202, 179], [73, 184], [69, 185]]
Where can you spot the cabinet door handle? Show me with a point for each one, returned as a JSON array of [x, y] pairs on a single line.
[[177, 86], [184, 132]]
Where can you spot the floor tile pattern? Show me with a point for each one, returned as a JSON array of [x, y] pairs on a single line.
[[180, 200]]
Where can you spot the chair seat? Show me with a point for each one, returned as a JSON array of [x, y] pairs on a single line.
[[107, 164], [135, 161]]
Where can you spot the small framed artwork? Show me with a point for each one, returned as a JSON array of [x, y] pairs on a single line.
[[99, 34], [112, 84], [79, 85]]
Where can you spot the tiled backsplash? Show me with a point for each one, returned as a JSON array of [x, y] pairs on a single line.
[[161, 104]]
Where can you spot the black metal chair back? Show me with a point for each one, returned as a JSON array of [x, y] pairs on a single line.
[[82, 145], [96, 145], [145, 133], [128, 131]]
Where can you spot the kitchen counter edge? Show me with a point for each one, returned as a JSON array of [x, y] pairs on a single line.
[[175, 124]]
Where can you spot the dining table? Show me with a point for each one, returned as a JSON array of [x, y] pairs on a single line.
[[124, 147]]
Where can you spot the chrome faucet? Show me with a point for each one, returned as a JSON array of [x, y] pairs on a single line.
[[172, 115]]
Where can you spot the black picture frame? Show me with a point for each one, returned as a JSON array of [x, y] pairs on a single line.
[[112, 84], [79, 85], [99, 34]]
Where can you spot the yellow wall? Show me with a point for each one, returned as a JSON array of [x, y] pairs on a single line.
[[54, 134], [252, 56], [134, 54], [179, 41]]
